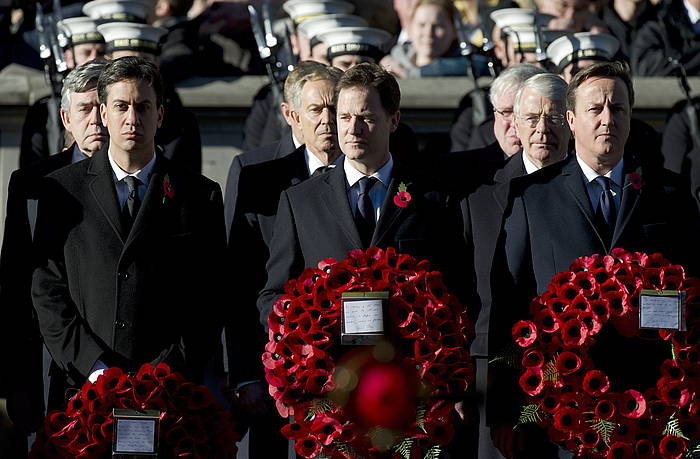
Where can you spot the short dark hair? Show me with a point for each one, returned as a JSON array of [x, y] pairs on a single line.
[[372, 75], [613, 69], [130, 68]]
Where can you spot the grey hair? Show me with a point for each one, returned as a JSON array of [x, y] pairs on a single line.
[[313, 73], [547, 85], [80, 79], [511, 79]]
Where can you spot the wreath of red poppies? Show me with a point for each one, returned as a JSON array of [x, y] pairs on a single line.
[[572, 398], [427, 326], [192, 423]]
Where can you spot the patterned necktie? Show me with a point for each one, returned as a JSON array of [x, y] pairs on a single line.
[[133, 202], [364, 214]]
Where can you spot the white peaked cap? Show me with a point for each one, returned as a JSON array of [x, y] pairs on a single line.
[[523, 37], [317, 25], [583, 45], [81, 30], [512, 17], [364, 41], [118, 10], [301, 10], [131, 36]]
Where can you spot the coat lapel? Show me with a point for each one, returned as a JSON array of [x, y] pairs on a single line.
[[513, 169], [298, 169], [390, 212], [335, 198], [104, 192], [628, 203], [152, 201]]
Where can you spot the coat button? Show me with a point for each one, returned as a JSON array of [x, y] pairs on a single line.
[[120, 324], [123, 276]]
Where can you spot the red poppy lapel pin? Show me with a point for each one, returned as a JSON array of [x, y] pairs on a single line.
[[168, 190], [636, 179], [403, 197]]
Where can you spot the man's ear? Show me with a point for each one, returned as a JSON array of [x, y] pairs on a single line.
[[65, 118], [570, 117], [395, 119], [103, 114]]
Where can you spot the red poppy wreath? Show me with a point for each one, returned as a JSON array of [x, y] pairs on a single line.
[[306, 367], [192, 423], [601, 385]]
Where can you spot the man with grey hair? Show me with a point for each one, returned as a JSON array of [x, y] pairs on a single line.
[[497, 133], [540, 121], [259, 177], [20, 343], [534, 110]]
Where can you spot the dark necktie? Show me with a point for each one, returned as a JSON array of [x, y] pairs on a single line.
[[321, 170], [605, 211], [364, 215], [133, 202]]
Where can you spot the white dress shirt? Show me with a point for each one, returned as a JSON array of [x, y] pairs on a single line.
[[313, 163], [530, 167], [693, 15], [616, 181], [379, 190]]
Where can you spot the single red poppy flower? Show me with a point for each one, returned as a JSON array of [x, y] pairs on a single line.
[[568, 362], [168, 189], [574, 333], [671, 370], [440, 432], [644, 448], [673, 392], [307, 447], [657, 260], [620, 450], [631, 404], [402, 198], [567, 419], [596, 383], [671, 447], [546, 320], [532, 381], [589, 438], [295, 430], [524, 333], [533, 358], [605, 409]]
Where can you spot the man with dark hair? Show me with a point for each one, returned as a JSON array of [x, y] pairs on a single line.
[[129, 246], [352, 206], [20, 340], [255, 182], [590, 204]]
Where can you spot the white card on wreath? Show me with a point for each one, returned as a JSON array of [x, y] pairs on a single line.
[[135, 432], [364, 316], [662, 309]]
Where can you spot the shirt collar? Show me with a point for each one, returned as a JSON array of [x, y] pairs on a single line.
[[143, 175], [383, 174], [77, 155], [296, 142], [313, 163], [529, 165], [615, 174], [693, 13]]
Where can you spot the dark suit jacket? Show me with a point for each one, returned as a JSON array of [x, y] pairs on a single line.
[[255, 198], [147, 296], [680, 154], [314, 221], [20, 339], [551, 223], [269, 152]]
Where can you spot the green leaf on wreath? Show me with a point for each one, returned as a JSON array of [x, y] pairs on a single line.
[[673, 428], [404, 447], [510, 357], [604, 428], [346, 449], [420, 416], [433, 453], [318, 407], [693, 453], [531, 414], [550, 372]]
